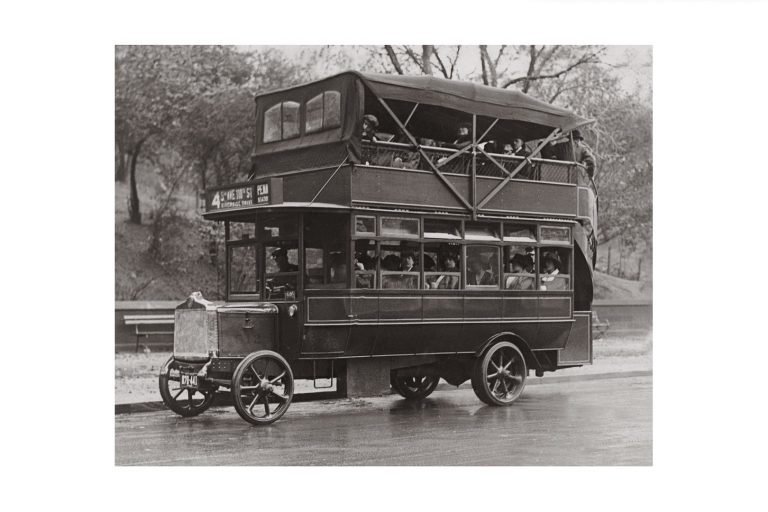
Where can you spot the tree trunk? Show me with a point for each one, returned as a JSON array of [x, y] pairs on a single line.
[[203, 169], [426, 58], [134, 214], [121, 169]]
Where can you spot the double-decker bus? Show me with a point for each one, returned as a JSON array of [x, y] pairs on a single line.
[[373, 245]]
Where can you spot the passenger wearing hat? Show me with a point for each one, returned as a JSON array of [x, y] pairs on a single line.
[[582, 153], [463, 137], [517, 148], [550, 268], [281, 259], [520, 264], [370, 123]]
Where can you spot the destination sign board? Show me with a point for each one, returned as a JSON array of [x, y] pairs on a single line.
[[236, 197], [261, 193]]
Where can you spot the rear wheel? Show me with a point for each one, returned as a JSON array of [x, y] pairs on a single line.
[[414, 388], [498, 378], [184, 401], [262, 387]]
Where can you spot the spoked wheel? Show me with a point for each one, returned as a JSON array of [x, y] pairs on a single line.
[[182, 400], [262, 387], [498, 377], [414, 388]]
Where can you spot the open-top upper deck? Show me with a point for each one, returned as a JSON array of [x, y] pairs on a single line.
[[310, 151]]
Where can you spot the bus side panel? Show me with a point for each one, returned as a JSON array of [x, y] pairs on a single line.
[[578, 347], [552, 335]]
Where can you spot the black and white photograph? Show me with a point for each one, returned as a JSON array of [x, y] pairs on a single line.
[[391, 255], [377, 256]]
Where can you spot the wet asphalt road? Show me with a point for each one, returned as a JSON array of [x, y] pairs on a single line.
[[600, 422]]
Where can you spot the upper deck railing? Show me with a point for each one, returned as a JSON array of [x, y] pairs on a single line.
[[404, 156]]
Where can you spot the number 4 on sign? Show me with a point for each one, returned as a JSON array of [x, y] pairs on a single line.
[[215, 201]]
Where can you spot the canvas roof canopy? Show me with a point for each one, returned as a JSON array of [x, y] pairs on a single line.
[[443, 106]]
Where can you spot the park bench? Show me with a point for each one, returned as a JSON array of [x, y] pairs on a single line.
[[599, 327], [148, 325]]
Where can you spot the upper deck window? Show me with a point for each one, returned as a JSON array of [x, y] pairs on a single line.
[[323, 112], [555, 234], [442, 229], [519, 233], [398, 227], [365, 225], [479, 231], [281, 121]]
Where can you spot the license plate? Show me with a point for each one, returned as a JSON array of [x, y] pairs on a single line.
[[189, 380]]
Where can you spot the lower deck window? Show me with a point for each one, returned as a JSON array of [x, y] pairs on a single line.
[[364, 264], [554, 269], [442, 266], [482, 266], [243, 274], [400, 265], [281, 270], [519, 267]]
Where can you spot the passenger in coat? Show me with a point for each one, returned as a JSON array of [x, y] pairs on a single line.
[[582, 153], [477, 275]]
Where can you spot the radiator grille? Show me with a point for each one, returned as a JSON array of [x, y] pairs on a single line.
[[190, 334]]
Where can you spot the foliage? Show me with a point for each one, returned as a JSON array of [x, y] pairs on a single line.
[[154, 88]]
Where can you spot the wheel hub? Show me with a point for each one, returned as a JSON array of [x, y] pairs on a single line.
[[266, 386]]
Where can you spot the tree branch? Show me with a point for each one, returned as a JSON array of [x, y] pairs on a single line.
[[454, 60], [585, 59], [443, 69], [483, 53], [393, 58]]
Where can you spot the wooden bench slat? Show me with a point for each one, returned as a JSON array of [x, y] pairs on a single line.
[[149, 322]]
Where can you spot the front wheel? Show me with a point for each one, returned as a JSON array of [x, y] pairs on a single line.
[[262, 387], [414, 388], [498, 378], [184, 400]]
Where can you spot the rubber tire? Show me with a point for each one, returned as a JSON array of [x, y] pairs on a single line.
[[479, 380], [403, 390], [168, 400], [235, 389]]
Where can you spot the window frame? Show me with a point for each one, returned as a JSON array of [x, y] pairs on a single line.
[[464, 272], [246, 295], [281, 135], [418, 235], [323, 125]]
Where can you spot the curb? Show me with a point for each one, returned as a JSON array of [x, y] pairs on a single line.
[[224, 399]]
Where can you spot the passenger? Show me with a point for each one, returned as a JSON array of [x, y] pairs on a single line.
[[550, 268], [520, 264], [550, 151], [582, 153], [370, 123], [409, 263], [517, 149], [463, 136], [450, 282], [391, 263], [281, 259], [477, 275], [429, 264]]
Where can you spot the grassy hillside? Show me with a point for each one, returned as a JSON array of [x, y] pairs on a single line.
[[182, 264]]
